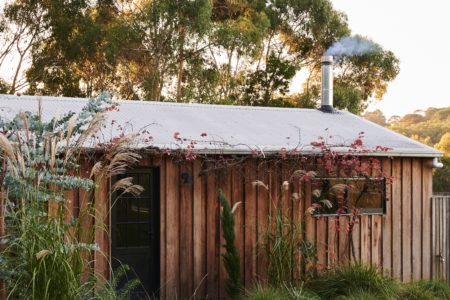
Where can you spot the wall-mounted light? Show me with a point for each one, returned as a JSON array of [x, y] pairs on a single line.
[[186, 178], [437, 163]]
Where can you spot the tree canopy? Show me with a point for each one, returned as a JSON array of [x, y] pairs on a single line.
[[243, 52]]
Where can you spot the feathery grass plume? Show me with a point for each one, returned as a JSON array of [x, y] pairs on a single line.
[[231, 260], [6, 148], [258, 183]]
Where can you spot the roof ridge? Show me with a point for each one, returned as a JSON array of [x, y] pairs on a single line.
[[161, 103]]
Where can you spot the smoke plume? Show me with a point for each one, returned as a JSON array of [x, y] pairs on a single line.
[[352, 46]]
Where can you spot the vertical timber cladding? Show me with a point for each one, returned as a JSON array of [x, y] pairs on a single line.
[[398, 242], [190, 223]]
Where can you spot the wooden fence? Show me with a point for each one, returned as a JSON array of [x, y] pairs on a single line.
[[441, 236]]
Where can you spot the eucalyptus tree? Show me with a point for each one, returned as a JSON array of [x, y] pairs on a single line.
[[70, 59], [211, 51]]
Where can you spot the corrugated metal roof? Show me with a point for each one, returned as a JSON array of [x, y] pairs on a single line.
[[232, 129]]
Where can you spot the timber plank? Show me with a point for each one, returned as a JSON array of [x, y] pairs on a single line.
[[297, 215], [212, 237], [199, 225], [377, 238], [344, 241], [387, 219], [263, 214], [310, 223], [186, 230], [366, 232], [84, 214], [173, 230], [416, 218], [321, 242], [224, 184], [162, 230], [356, 238], [406, 219], [101, 266], [250, 223], [238, 197], [397, 218], [427, 188], [333, 241]]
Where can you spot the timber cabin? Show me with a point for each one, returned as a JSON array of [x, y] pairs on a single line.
[[171, 235]]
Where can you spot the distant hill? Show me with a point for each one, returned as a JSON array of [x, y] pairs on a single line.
[[431, 127]]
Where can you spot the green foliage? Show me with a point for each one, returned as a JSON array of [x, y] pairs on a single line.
[[432, 128], [441, 177], [425, 290], [231, 52], [266, 293], [357, 283], [444, 144], [300, 293], [353, 278], [413, 291], [282, 244], [46, 252], [362, 295], [438, 288], [261, 85], [284, 292], [376, 116], [428, 126], [231, 260]]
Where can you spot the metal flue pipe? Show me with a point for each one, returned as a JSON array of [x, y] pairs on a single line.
[[327, 84]]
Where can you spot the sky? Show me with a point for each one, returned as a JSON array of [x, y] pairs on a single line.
[[418, 32]]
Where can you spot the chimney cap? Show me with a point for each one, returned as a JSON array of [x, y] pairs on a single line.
[[327, 59]]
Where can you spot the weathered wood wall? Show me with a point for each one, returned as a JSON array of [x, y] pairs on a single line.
[[398, 242]]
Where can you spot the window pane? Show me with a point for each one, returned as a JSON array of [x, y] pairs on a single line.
[[121, 208], [341, 195], [144, 181], [121, 235], [144, 211]]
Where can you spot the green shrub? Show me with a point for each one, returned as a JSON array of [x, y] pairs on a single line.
[[283, 292], [352, 279], [282, 244], [413, 291], [233, 284], [267, 293], [425, 289], [361, 295], [300, 293], [46, 254], [438, 288]]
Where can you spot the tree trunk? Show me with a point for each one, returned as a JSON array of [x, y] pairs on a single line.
[[180, 63]]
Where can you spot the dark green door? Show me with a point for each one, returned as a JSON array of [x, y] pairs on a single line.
[[135, 232]]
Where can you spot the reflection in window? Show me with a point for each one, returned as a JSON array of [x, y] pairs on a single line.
[[342, 195]]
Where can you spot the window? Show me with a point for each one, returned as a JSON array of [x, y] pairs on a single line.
[[342, 195]]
